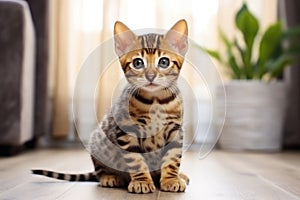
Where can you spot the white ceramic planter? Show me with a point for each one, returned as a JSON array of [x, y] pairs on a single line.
[[254, 115]]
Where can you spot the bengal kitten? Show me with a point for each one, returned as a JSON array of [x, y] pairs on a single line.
[[138, 144]]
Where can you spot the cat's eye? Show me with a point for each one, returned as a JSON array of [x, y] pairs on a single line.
[[164, 62], [138, 63]]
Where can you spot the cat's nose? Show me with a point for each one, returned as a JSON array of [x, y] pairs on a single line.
[[150, 76]]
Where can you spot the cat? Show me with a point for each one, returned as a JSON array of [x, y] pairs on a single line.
[[138, 144]]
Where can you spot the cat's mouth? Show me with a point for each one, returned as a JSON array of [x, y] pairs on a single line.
[[151, 86]]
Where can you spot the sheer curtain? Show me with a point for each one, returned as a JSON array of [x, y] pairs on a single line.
[[80, 26]]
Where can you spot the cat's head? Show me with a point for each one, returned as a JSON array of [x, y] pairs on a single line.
[[151, 61]]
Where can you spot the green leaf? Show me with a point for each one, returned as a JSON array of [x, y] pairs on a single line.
[[291, 41], [234, 67], [236, 71], [242, 56], [292, 32], [276, 67], [225, 39], [270, 41], [212, 53], [247, 23], [240, 49], [269, 44], [293, 51]]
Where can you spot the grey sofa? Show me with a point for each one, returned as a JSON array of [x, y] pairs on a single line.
[[23, 73]]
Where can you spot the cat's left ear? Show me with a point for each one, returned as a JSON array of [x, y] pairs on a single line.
[[176, 37], [124, 38]]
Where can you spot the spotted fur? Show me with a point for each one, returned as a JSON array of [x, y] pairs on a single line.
[[138, 144]]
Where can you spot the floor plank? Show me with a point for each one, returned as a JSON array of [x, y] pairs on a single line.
[[216, 177], [282, 173], [91, 191], [220, 175], [16, 178]]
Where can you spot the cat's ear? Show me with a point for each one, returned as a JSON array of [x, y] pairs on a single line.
[[124, 38], [176, 37]]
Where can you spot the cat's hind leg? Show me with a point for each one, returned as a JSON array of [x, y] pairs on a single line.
[[111, 180]]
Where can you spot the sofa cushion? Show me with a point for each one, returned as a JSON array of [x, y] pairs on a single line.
[[17, 43]]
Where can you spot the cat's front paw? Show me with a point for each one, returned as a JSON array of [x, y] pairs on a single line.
[[175, 184], [184, 177], [141, 187]]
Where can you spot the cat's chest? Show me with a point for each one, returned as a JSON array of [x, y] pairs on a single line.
[[158, 116], [151, 119], [154, 116], [154, 125]]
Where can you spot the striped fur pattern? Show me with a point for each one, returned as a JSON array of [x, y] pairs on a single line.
[[138, 144], [91, 176]]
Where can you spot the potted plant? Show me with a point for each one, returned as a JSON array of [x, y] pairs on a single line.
[[255, 97]]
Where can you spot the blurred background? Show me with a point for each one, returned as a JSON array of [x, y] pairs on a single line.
[[45, 43]]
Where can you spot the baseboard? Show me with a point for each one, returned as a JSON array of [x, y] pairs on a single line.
[[12, 150]]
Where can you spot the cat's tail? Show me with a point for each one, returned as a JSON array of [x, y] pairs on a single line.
[[89, 176]]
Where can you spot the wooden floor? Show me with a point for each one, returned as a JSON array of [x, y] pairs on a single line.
[[221, 175]]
